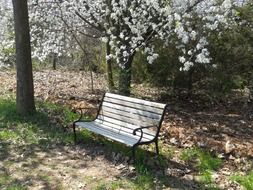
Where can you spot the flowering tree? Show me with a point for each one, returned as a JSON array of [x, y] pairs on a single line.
[[128, 26], [6, 33], [49, 35]]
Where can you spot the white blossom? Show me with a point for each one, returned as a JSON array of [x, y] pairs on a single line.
[[128, 26]]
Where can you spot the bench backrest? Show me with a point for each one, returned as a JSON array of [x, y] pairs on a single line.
[[126, 114]]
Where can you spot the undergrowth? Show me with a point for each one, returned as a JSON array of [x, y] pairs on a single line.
[[48, 125], [204, 162], [245, 181]]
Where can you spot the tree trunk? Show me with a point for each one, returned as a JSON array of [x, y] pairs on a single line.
[[190, 81], [54, 61], [109, 68], [25, 89], [92, 81], [125, 76]]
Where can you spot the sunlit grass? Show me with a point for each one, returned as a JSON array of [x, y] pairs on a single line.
[[205, 162], [245, 181], [45, 126]]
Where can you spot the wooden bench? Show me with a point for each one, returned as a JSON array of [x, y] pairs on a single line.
[[130, 121]]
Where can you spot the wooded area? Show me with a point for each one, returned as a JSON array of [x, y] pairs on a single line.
[[61, 57]]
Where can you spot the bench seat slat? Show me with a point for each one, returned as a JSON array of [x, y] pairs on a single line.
[[133, 105], [135, 100], [128, 140], [124, 130]]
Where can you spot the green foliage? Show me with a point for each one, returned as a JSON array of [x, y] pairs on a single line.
[[189, 154], [206, 177], [230, 68], [4, 179], [7, 183], [208, 162], [205, 163], [42, 128], [16, 187], [162, 72], [207, 180], [203, 159], [167, 151], [142, 182], [245, 181]]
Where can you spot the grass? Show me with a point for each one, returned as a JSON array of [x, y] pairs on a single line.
[[47, 127], [245, 181], [37, 128], [205, 162], [140, 183], [7, 183]]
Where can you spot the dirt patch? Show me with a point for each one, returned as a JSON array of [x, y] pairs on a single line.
[[61, 167]]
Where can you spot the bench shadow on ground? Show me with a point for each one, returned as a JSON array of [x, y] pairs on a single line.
[[46, 149], [35, 160]]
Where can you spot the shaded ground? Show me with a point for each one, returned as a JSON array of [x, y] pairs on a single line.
[[222, 129]]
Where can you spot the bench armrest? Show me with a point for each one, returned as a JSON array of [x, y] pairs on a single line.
[[141, 130]]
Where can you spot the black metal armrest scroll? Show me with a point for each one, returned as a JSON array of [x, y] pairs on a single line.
[[141, 130]]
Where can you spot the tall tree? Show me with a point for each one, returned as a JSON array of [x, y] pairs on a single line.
[[25, 89]]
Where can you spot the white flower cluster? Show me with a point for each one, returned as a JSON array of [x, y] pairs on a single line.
[[6, 36], [49, 35], [132, 25], [128, 26]]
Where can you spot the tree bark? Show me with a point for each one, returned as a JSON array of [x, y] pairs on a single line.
[[190, 81], [109, 68], [25, 89], [125, 76], [54, 61]]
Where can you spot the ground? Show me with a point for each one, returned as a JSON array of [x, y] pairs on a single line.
[[204, 144]]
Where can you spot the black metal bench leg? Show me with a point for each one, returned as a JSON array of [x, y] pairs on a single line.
[[156, 147], [74, 130], [132, 158], [133, 153]]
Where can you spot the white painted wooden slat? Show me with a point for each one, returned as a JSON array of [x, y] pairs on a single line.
[[130, 115], [132, 110], [127, 119], [133, 105], [123, 124], [123, 130], [107, 133], [135, 100], [147, 132]]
